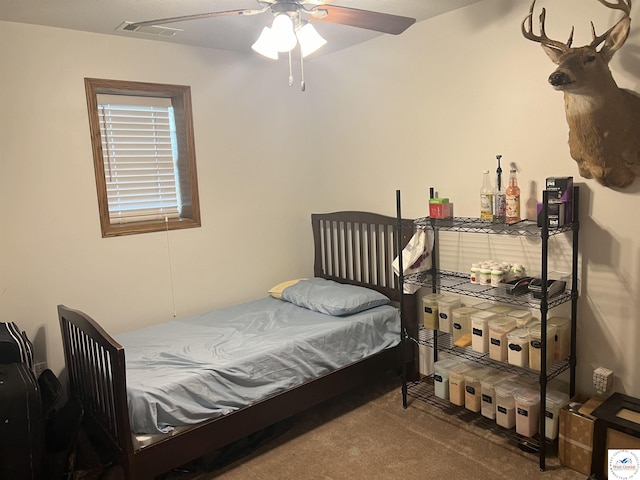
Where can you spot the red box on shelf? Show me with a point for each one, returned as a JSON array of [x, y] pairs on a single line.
[[440, 208]]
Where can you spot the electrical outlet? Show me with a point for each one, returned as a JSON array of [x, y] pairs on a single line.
[[39, 368]]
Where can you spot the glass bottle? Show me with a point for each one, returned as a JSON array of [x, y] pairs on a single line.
[[513, 198], [486, 198], [499, 197]]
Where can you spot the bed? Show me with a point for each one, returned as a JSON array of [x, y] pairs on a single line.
[[351, 250]]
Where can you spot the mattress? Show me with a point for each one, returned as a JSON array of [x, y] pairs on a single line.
[[193, 369]]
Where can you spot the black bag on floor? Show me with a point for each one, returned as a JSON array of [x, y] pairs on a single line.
[[15, 347], [21, 425]]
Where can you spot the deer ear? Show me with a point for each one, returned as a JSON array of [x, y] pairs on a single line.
[[616, 38], [553, 53]]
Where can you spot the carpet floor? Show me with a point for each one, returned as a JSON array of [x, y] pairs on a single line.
[[369, 435]]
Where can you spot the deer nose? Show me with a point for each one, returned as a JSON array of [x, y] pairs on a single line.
[[558, 78]]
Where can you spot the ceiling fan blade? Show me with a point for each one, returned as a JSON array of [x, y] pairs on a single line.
[[197, 16], [380, 22]]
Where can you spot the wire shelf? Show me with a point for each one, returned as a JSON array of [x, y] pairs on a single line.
[[475, 225], [424, 391], [460, 283], [445, 344]]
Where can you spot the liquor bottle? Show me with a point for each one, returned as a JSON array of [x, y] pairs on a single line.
[[513, 198], [486, 198], [499, 197]]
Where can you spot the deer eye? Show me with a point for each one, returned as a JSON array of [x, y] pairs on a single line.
[[590, 58]]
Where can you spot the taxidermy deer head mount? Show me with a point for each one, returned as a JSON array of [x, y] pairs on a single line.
[[604, 120]]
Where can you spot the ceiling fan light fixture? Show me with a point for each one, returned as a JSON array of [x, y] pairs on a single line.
[[310, 40], [283, 35], [265, 44]]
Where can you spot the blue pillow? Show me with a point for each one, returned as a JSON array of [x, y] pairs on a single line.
[[332, 298]]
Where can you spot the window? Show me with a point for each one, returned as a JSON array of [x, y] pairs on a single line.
[[143, 155]]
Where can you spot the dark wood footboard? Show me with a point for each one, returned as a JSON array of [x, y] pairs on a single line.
[[96, 370]]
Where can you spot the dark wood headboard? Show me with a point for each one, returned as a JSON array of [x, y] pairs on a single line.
[[358, 248]]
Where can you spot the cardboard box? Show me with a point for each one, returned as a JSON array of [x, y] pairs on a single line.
[[575, 444], [440, 208]]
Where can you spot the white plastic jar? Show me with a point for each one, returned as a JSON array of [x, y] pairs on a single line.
[[485, 276], [506, 404], [480, 330], [535, 345], [527, 411], [518, 347], [497, 277], [498, 342], [446, 304]]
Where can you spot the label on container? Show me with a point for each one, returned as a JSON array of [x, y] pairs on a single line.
[[523, 411], [515, 347], [443, 316], [470, 390], [477, 331], [495, 341], [536, 343], [501, 409], [487, 398], [457, 326]]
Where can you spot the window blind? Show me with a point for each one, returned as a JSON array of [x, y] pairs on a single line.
[[139, 151]]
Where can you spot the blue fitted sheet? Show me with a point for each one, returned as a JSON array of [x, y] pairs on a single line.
[[189, 370]]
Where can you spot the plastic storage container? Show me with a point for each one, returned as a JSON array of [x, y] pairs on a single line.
[[501, 309], [441, 376], [461, 325], [456, 383], [446, 304], [483, 305], [480, 330], [430, 308], [473, 387], [562, 347], [535, 345], [488, 393], [506, 403], [518, 350], [555, 401], [522, 317], [527, 411], [498, 343]]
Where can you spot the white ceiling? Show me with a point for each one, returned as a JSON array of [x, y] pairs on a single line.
[[235, 33]]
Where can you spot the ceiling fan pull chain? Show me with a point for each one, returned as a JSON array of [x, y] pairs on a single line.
[[290, 71], [303, 86]]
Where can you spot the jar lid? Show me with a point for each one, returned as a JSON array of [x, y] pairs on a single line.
[[522, 333], [556, 399], [527, 395], [536, 329], [484, 315], [520, 314], [505, 323]]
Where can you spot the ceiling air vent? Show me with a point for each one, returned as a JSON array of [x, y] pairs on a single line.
[[154, 30]]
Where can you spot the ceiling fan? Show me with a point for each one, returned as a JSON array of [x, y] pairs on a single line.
[[291, 25], [314, 9]]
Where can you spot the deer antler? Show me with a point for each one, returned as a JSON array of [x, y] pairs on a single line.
[[624, 5], [527, 31]]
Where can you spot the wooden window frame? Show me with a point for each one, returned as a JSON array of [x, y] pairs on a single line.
[[180, 97]]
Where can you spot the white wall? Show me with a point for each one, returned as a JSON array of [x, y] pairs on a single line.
[[431, 107], [440, 101]]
